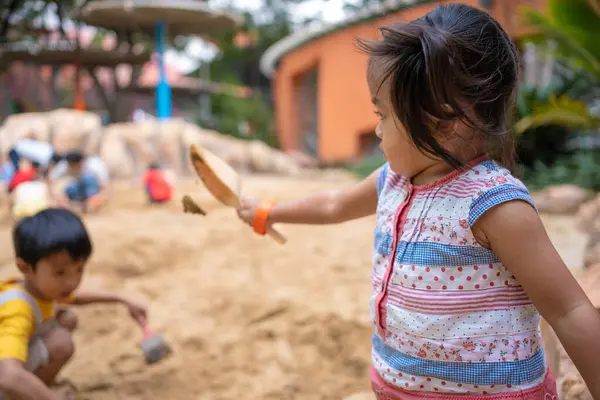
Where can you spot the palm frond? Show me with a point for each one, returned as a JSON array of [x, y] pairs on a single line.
[[558, 111]]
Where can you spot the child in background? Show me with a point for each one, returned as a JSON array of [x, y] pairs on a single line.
[[28, 191], [29, 198], [88, 189], [7, 171], [462, 265], [28, 171], [32, 149], [158, 187], [52, 248]]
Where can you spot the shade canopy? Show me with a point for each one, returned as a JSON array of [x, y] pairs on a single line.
[[182, 17]]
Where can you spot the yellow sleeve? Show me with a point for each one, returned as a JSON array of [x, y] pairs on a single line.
[[16, 327]]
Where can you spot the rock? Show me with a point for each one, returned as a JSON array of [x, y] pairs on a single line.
[[592, 250], [72, 129], [129, 147], [168, 142], [22, 126], [561, 199], [588, 217], [116, 155], [304, 160]]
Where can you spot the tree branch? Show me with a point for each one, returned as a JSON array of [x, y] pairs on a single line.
[[61, 19], [102, 93], [595, 6], [9, 13]]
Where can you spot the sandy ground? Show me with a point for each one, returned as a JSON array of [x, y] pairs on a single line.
[[248, 318]]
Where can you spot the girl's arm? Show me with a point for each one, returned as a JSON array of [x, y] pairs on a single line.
[[137, 310], [516, 234], [330, 207]]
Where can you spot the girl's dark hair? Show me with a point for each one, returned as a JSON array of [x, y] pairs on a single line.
[[49, 232], [456, 62]]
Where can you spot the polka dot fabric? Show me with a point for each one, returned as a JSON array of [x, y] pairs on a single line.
[[449, 317]]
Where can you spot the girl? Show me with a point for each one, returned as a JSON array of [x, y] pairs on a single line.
[[461, 261]]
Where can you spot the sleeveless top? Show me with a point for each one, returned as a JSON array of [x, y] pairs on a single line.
[[448, 316]]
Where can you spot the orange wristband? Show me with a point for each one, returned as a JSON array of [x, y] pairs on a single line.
[[259, 222]]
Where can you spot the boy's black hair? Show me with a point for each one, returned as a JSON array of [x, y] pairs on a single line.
[[454, 58], [35, 164], [74, 157], [56, 158], [49, 232]]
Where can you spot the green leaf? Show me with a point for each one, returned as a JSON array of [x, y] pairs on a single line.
[[558, 111], [569, 43]]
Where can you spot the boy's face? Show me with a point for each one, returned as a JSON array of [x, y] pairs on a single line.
[[55, 277], [75, 167]]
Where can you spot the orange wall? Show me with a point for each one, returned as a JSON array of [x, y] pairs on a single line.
[[344, 106]]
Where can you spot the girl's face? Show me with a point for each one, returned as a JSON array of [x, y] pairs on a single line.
[[404, 157]]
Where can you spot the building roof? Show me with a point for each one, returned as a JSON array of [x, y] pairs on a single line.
[[270, 58]]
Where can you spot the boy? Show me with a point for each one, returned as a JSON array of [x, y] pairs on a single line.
[[51, 248], [90, 180]]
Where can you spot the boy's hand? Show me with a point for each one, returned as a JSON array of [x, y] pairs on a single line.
[[248, 209], [137, 309]]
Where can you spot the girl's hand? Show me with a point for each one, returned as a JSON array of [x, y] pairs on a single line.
[[248, 209], [137, 309]]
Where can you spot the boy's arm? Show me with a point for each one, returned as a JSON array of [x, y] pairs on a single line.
[[93, 297], [16, 328], [17, 382], [57, 171], [136, 308], [515, 233]]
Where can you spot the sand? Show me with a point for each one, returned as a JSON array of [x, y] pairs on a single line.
[[247, 318]]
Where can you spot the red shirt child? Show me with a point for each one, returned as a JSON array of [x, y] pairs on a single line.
[[158, 188], [21, 176]]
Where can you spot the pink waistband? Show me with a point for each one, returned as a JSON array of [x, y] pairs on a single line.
[[384, 391]]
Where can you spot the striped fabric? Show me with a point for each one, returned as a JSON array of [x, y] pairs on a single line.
[[448, 316]]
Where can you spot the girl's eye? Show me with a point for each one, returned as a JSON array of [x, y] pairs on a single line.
[[60, 273], [379, 115]]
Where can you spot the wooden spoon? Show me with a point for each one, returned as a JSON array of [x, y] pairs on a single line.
[[222, 182]]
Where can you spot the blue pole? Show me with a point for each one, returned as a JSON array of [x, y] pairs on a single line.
[[163, 90]]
